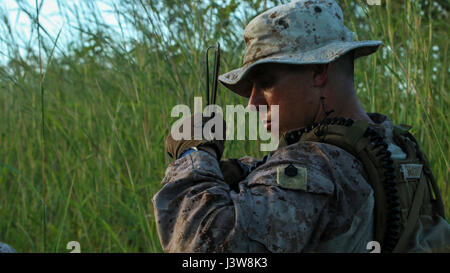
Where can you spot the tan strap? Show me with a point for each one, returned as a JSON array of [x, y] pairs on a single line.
[[412, 217]]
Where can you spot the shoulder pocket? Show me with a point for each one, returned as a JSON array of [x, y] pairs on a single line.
[[291, 176]]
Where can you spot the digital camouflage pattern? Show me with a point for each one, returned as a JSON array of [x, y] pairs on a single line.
[[308, 196], [332, 211]]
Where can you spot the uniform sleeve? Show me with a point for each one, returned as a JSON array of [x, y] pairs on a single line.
[[196, 211]]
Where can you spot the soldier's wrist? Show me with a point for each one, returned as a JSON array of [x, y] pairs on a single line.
[[206, 148], [209, 149], [187, 151]]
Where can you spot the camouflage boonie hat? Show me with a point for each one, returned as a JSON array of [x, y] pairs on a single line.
[[301, 32]]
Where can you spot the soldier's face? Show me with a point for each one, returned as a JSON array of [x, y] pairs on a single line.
[[292, 89]]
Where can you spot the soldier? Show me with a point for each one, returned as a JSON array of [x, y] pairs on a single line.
[[333, 184]]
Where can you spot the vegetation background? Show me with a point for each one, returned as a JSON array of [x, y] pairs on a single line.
[[82, 139]]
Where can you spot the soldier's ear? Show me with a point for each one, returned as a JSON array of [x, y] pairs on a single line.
[[320, 74]]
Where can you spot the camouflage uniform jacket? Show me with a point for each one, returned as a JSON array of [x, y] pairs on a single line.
[[329, 208]]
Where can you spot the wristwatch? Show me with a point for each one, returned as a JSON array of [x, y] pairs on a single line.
[[201, 147], [188, 151]]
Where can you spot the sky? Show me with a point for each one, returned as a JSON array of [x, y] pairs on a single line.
[[50, 18]]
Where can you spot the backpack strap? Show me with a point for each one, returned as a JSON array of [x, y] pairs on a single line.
[[400, 134], [363, 142], [413, 216], [392, 192]]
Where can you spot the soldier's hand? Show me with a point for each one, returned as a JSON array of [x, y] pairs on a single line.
[[233, 171], [211, 137]]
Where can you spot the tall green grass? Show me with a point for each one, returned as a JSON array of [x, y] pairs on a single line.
[[107, 102]]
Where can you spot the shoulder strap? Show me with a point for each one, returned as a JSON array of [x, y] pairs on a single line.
[[400, 134], [363, 142], [412, 217]]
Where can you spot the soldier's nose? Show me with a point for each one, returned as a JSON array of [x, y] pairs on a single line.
[[256, 98]]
